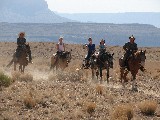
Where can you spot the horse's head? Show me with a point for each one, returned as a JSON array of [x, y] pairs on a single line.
[[142, 57], [107, 57], [68, 56], [110, 60]]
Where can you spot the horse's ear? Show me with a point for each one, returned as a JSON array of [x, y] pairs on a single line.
[[144, 51], [112, 54]]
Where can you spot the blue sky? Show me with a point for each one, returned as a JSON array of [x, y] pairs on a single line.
[[103, 6]]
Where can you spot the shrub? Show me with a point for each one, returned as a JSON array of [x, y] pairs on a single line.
[[4, 80], [148, 107], [91, 107], [29, 102], [122, 112], [99, 89]]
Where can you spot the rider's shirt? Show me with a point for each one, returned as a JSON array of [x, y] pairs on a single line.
[[91, 48], [21, 41], [130, 46], [61, 47], [101, 47]]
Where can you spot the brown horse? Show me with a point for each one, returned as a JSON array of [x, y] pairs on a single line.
[[135, 62], [22, 60], [61, 61]]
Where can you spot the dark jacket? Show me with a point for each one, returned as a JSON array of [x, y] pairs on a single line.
[[21, 41], [129, 46]]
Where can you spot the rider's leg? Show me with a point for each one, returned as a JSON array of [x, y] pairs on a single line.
[[30, 56]]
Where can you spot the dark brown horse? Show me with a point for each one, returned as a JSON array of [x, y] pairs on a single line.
[[61, 61], [22, 60], [135, 62], [103, 61]]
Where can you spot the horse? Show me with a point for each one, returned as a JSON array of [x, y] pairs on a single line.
[[134, 63], [101, 61], [60, 60], [22, 59]]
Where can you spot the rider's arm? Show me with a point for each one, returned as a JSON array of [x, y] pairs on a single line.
[[18, 41], [64, 46], [57, 46], [125, 47]]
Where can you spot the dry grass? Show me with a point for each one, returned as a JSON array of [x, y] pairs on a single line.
[[17, 76], [91, 106], [29, 102], [71, 94], [99, 89], [122, 112], [148, 107]]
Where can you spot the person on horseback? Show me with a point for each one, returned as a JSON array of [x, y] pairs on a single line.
[[21, 44], [60, 47], [102, 46], [91, 50], [130, 48]]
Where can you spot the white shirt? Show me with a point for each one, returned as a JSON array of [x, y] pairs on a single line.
[[61, 47]]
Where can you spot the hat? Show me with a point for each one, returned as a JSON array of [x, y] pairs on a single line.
[[61, 38], [21, 33], [89, 39], [102, 40], [132, 37]]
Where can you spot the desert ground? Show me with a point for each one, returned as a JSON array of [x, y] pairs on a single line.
[[39, 93]]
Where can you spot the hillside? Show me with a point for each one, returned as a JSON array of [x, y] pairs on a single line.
[[70, 94], [151, 18], [114, 34], [28, 11]]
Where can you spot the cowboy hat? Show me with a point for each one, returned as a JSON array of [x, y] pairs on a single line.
[[132, 37], [21, 33]]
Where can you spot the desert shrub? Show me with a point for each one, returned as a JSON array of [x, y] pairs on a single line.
[[4, 80], [148, 107], [29, 102], [99, 89], [122, 112], [91, 107]]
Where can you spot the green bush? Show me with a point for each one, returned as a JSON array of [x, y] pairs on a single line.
[[4, 80]]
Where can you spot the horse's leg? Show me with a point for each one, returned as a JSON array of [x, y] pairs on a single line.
[[100, 70], [23, 66], [92, 73], [97, 73], [125, 76], [121, 74], [134, 84], [107, 74]]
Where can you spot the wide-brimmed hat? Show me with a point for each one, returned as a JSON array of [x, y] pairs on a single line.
[[21, 33], [132, 37]]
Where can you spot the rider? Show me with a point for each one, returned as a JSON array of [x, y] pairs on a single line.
[[102, 46], [60, 47], [130, 48], [90, 49], [21, 44]]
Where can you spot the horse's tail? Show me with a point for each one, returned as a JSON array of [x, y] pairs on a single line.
[[10, 63], [13, 60]]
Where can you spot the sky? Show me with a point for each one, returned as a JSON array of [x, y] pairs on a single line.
[[103, 6]]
